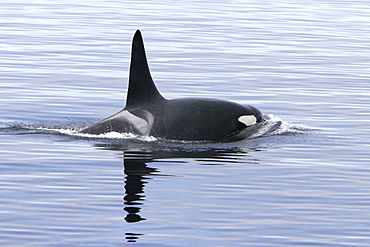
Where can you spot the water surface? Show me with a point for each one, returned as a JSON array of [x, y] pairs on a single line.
[[65, 65]]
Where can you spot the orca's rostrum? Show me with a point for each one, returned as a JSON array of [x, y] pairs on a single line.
[[148, 113]]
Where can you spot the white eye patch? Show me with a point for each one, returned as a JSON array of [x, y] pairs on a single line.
[[248, 120]]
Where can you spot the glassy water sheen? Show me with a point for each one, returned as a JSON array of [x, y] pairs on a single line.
[[302, 181]]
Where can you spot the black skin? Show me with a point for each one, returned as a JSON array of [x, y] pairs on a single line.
[[198, 119]]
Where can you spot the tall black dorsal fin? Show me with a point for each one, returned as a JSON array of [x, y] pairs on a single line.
[[141, 88]]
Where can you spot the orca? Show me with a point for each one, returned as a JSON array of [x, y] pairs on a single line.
[[148, 113]]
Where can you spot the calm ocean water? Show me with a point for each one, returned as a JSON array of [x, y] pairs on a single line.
[[65, 65]]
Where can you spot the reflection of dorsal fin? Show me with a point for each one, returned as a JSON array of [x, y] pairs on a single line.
[[141, 88]]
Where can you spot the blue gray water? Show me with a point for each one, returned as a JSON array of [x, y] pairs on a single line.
[[306, 65]]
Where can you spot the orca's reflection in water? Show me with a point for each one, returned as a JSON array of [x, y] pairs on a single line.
[[136, 175], [137, 156]]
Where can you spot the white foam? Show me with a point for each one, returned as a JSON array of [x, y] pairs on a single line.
[[276, 126], [109, 135]]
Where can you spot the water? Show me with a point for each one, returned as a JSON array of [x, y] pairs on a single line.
[[65, 65]]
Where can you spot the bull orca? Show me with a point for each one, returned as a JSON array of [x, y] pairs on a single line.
[[148, 113]]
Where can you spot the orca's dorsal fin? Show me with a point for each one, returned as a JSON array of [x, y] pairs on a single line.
[[141, 88]]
